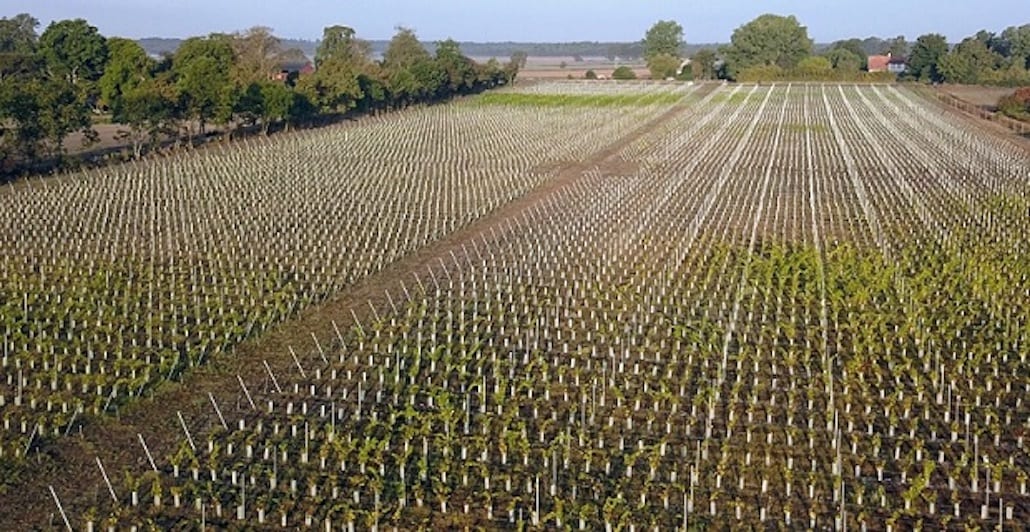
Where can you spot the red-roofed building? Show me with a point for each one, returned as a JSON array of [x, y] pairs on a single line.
[[886, 63], [878, 63]]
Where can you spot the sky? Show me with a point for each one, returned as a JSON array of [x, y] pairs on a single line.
[[528, 20]]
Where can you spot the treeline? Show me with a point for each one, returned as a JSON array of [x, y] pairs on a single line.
[[778, 48], [71, 77]]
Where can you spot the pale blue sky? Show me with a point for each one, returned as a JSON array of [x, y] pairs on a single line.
[[529, 20]]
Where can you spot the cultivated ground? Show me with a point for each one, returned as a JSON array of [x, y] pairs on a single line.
[[573, 305]]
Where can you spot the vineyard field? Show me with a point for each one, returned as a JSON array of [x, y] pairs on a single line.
[[591, 306]]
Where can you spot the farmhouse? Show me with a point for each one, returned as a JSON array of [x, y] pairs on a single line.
[[886, 63]]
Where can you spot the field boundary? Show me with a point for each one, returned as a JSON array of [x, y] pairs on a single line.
[[974, 111]]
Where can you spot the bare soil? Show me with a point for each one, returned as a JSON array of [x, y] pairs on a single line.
[[69, 465]]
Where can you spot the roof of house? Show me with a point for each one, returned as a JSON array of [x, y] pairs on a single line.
[[878, 62], [897, 60]]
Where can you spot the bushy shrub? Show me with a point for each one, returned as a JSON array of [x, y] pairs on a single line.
[[624, 73]]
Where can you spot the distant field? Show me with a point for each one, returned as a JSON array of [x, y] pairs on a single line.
[[981, 96], [561, 305]]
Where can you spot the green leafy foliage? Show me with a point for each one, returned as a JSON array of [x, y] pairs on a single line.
[[924, 61], [769, 40], [624, 73], [665, 37]]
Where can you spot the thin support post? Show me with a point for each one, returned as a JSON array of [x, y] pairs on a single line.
[[60, 508], [150, 457], [246, 392], [189, 437], [217, 410], [272, 375], [107, 480]]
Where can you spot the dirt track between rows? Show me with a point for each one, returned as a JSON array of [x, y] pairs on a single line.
[[69, 464]]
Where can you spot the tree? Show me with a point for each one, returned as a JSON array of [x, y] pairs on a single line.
[[970, 61], [73, 50], [341, 43], [768, 40], [925, 57], [62, 111], [664, 38], [333, 87], [624, 73], [127, 67], [18, 43], [276, 104], [663, 66], [18, 34], [897, 47], [855, 46], [590, 74], [519, 58], [411, 70], [1015, 44], [815, 67], [703, 64], [845, 60], [202, 68], [258, 54], [459, 71], [149, 109]]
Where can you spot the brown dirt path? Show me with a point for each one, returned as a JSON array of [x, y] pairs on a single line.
[[69, 463]]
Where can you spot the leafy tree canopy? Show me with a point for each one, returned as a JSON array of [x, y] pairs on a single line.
[[73, 50], [664, 38], [768, 40], [18, 34], [624, 73], [923, 62], [663, 66]]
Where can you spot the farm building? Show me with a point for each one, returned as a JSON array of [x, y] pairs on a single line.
[[886, 63]]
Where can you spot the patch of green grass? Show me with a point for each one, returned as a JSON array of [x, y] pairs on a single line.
[[578, 100], [736, 98], [802, 128]]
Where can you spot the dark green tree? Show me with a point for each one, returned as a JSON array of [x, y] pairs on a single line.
[[769, 40], [923, 62], [459, 71], [969, 62], [18, 43], [73, 50], [18, 34], [202, 67], [127, 67], [150, 110], [703, 64]]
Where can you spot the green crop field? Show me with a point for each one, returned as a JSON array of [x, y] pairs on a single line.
[[592, 306]]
